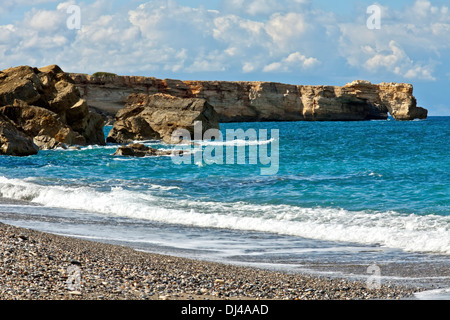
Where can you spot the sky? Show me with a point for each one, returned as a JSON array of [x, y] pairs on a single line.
[[308, 42]]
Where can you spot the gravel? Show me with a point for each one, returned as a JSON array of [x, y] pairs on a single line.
[[41, 266]]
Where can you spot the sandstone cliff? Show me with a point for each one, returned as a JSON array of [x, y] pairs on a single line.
[[157, 116], [14, 142], [45, 107], [262, 101]]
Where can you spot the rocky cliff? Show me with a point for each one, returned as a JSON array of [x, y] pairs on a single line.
[[42, 109], [13, 141], [262, 101], [157, 116]]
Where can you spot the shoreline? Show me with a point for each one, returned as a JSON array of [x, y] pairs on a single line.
[[35, 267]]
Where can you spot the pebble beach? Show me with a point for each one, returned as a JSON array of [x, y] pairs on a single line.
[[39, 266]]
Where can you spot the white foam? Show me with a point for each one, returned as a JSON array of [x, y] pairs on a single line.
[[437, 294], [373, 174], [147, 142], [95, 147], [236, 142], [412, 232], [125, 159], [165, 188]]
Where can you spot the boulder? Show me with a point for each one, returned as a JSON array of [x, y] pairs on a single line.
[[140, 150], [148, 117], [48, 143], [14, 142], [89, 128], [45, 105], [21, 83], [36, 121]]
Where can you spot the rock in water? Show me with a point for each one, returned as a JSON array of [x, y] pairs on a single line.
[[140, 150], [14, 142], [45, 105], [36, 121], [47, 143], [147, 117]]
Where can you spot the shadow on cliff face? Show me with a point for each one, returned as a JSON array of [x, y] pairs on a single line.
[[46, 107], [108, 117], [247, 101]]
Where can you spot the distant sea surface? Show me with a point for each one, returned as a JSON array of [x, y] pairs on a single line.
[[353, 193]]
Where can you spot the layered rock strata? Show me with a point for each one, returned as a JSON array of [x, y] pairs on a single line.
[[44, 106], [156, 117], [263, 101]]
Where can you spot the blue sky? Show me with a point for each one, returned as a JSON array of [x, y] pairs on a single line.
[[291, 41]]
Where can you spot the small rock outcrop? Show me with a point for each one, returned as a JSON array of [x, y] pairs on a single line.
[[140, 150], [148, 117], [13, 141], [237, 101], [45, 106]]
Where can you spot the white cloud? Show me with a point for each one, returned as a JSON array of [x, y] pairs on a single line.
[[206, 65], [398, 62], [46, 20], [248, 67], [419, 72], [292, 62], [240, 36], [253, 7], [6, 33], [286, 30], [238, 32], [9, 5], [384, 60], [172, 23], [408, 45], [158, 35], [257, 43], [262, 7]]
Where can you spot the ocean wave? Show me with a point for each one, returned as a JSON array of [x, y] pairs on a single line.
[[435, 294], [236, 142], [94, 147], [410, 232], [164, 188], [126, 159]]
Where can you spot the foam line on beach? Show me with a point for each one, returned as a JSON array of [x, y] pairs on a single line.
[[436, 294], [391, 229]]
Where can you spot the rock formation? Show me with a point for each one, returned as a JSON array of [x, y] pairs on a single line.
[[140, 150], [13, 141], [147, 117], [45, 106], [262, 101]]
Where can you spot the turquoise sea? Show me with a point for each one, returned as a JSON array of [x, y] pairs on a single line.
[[345, 193]]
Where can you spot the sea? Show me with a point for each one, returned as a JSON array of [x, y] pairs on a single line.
[[342, 198]]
